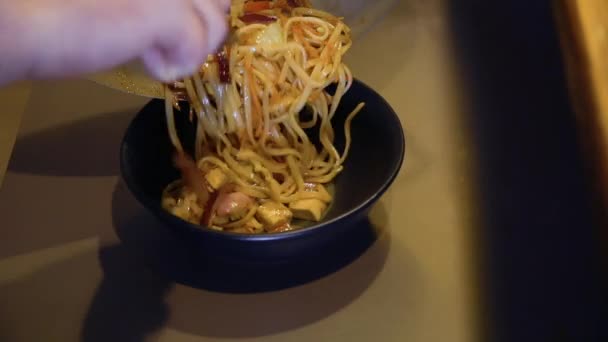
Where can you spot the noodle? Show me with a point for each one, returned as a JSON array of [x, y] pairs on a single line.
[[249, 101]]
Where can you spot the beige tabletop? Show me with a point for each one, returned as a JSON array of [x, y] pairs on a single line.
[[57, 234]]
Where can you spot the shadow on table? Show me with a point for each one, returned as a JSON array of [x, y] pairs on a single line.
[[43, 186], [129, 304], [230, 300], [83, 148], [541, 270]]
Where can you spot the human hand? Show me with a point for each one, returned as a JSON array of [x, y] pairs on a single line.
[[59, 38]]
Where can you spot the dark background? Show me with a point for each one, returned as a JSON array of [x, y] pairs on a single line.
[[542, 266]]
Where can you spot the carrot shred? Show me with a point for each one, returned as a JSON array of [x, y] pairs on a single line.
[[298, 33], [256, 112]]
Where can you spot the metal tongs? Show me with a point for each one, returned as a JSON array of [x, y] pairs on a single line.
[[131, 78]]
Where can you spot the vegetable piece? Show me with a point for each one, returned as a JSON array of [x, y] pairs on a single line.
[[285, 227], [255, 18], [273, 214], [210, 208], [223, 66], [320, 190], [308, 209], [272, 35], [234, 204], [256, 6], [216, 178], [298, 3]]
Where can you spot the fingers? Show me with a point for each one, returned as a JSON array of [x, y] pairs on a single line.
[[179, 48], [213, 15], [224, 4], [185, 43]]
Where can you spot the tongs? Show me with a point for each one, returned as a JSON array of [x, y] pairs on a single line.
[[131, 78]]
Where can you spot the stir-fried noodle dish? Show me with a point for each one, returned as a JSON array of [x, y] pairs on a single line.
[[255, 170]]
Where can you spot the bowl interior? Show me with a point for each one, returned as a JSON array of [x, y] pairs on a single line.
[[374, 160]]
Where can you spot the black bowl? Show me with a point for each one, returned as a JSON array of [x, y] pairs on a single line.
[[375, 158]]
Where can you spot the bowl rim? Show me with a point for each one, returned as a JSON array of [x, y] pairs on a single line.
[[157, 210]]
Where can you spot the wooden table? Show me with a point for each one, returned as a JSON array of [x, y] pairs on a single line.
[[66, 276], [584, 33]]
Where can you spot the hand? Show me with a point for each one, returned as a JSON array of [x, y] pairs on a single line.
[[59, 38]]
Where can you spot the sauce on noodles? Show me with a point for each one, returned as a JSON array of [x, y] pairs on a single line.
[[256, 169]]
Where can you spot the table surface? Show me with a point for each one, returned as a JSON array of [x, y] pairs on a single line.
[[65, 276]]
